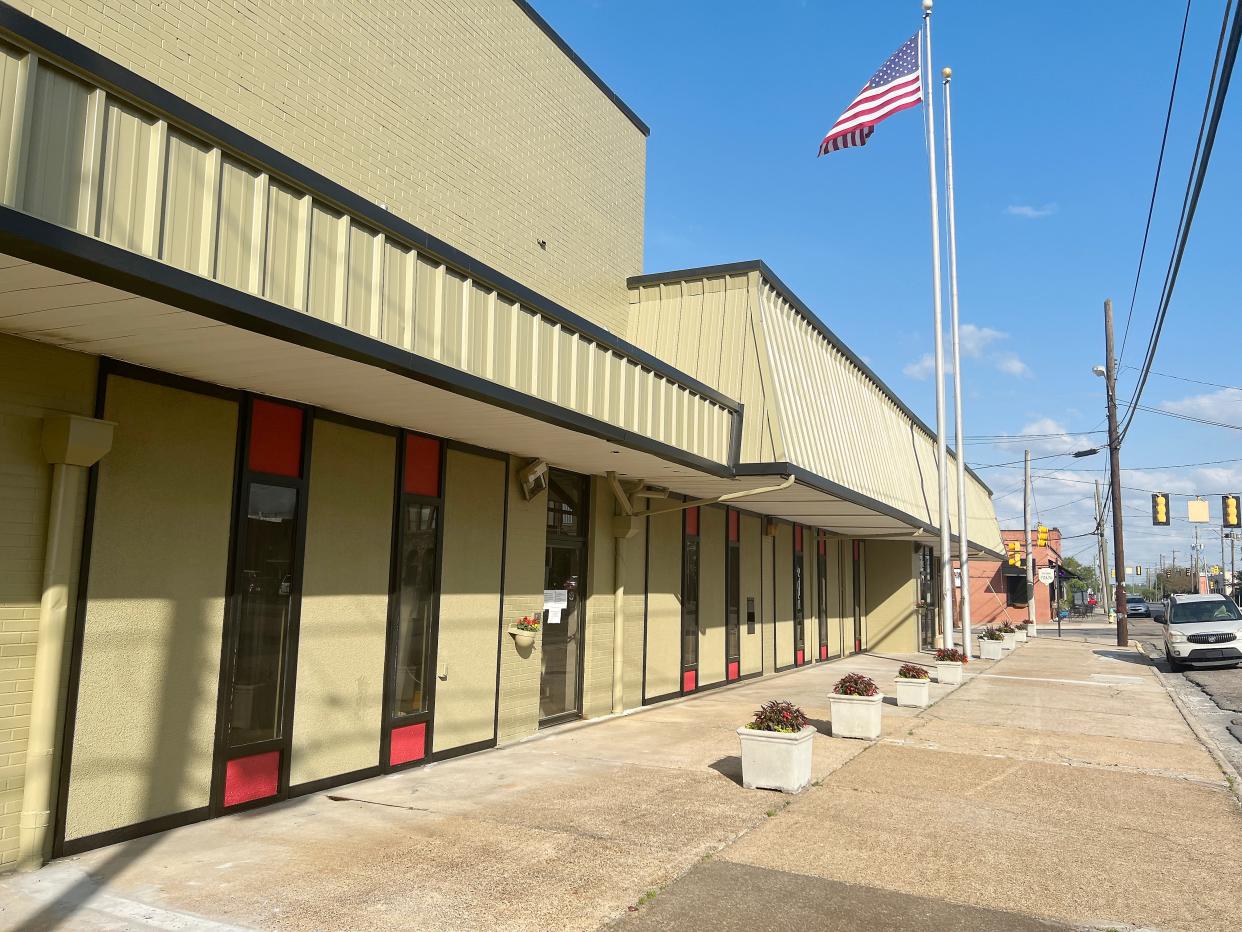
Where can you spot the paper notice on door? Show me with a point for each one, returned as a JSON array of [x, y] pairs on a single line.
[[555, 601]]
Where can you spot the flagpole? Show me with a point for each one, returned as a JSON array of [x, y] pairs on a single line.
[[946, 557], [963, 549]]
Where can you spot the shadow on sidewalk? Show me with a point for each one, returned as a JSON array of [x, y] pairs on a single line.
[[1126, 656]]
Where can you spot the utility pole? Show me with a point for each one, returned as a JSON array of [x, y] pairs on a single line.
[[1114, 454], [1198, 562], [1030, 553], [1102, 549]]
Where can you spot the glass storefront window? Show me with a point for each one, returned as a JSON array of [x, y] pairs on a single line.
[[266, 601], [690, 594], [416, 606], [565, 557], [733, 598]]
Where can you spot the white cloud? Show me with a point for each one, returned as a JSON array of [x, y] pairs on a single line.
[[974, 343], [1030, 211], [922, 368], [1011, 364], [1224, 405], [974, 340]]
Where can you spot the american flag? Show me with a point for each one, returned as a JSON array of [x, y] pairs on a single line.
[[895, 87]]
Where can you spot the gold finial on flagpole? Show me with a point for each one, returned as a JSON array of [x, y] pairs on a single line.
[[948, 73]]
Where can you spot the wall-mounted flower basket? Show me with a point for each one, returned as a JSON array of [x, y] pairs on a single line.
[[524, 632]]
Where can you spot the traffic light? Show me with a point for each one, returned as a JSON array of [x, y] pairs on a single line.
[[1043, 537], [1015, 553], [1160, 508], [1229, 510]]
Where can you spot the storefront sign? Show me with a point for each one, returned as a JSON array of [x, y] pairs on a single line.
[[555, 601], [1047, 574]]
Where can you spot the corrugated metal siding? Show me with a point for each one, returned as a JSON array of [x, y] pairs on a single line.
[[841, 425], [84, 159], [805, 401]]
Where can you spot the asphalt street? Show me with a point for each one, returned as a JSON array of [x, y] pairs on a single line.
[[1222, 687]]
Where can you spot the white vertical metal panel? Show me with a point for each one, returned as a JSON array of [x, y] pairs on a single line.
[[239, 196], [504, 341], [188, 195], [284, 256], [426, 290], [477, 329], [14, 69], [56, 141], [362, 286], [329, 245], [127, 198]]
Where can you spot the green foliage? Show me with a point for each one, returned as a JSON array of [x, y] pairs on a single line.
[[779, 715]]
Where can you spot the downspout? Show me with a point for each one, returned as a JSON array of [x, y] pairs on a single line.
[[71, 445]]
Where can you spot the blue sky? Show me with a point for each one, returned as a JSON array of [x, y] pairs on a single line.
[[1058, 109]]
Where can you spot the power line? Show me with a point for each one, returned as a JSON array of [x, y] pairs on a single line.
[[1023, 461], [1194, 187], [1188, 417], [1183, 378], [1129, 468], [1155, 185]]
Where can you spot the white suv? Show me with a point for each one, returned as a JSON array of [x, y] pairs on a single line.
[[1202, 629]]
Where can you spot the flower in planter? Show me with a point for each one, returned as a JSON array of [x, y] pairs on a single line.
[[912, 671], [1007, 628], [855, 684], [951, 655], [528, 623], [990, 634], [1023, 625], [779, 715]]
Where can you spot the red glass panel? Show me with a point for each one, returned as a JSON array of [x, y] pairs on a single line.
[[823, 651], [422, 466], [733, 523], [407, 743], [692, 521], [688, 681], [800, 658], [798, 538], [250, 778], [823, 542], [275, 439], [733, 669]]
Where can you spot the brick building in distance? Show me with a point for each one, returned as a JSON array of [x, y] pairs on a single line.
[[997, 590]]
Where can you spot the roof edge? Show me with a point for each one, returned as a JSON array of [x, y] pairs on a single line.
[[758, 265], [586, 69]]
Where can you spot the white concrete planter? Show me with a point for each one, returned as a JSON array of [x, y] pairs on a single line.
[[1010, 641], [1020, 634], [776, 760], [521, 638], [990, 650], [1032, 631], [948, 672], [912, 693], [855, 716]]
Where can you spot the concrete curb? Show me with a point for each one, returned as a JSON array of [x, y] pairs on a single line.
[[1222, 761]]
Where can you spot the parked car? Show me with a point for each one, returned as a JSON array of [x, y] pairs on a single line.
[[1202, 630], [1136, 607]]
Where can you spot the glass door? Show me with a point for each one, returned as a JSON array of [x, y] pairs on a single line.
[[926, 564], [564, 597], [799, 605], [690, 601], [857, 579], [821, 584], [733, 600]]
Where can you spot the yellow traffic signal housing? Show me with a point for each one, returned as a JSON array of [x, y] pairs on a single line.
[[1231, 515], [1043, 537], [1015, 553], [1160, 508]]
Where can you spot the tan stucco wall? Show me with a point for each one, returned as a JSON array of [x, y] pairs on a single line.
[[750, 536], [783, 586], [664, 559], [35, 380], [891, 590], [343, 624], [635, 603], [474, 500], [711, 595], [390, 100], [524, 568], [146, 711]]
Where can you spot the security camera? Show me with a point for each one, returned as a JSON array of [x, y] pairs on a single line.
[[533, 478]]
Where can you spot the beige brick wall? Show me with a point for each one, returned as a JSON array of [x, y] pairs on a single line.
[[461, 116], [35, 380]]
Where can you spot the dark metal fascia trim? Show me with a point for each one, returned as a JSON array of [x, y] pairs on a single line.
[[758, 265], [36, 240], [60, 49], [583, 66]]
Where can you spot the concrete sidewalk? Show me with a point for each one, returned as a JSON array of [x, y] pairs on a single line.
[[1022, 797]]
